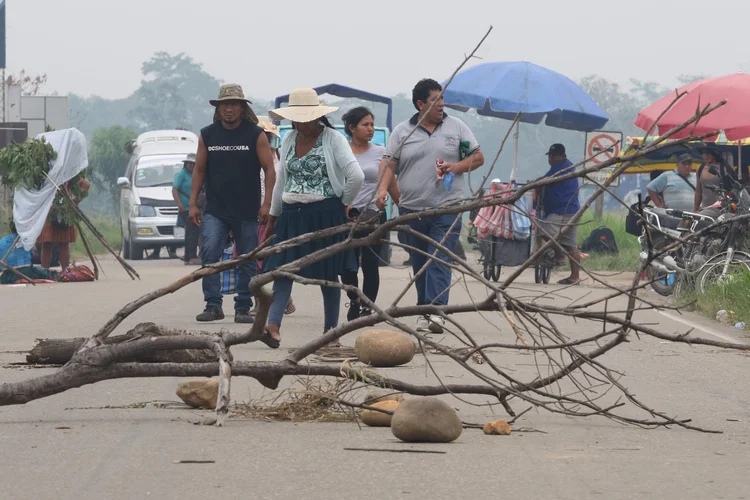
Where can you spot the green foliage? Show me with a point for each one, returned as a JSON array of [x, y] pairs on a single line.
[[108, 157], [25, 164], [63, 211], [732, 297]]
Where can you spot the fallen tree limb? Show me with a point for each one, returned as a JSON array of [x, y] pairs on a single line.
[[60, 351]]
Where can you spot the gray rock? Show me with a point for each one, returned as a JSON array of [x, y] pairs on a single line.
[[723, 317], [426, 420]]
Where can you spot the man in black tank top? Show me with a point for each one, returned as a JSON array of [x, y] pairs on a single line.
[[231, 153]]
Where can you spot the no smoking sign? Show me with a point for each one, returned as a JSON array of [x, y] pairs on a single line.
[[602, 146]]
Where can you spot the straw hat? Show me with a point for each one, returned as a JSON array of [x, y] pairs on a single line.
[[265, 123], [230, 92], [304, 106]]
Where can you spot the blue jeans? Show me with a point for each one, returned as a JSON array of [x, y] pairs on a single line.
[[214, 232], [433, 286], [282, 290]]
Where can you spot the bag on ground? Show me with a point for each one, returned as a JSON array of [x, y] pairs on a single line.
[[77, 273], [601, 240]]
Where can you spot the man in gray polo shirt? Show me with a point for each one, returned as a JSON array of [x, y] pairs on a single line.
[[422, 185]]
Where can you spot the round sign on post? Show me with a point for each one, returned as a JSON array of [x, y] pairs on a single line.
[[602, 146]]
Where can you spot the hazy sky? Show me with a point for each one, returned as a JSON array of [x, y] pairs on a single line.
[[97, 46]]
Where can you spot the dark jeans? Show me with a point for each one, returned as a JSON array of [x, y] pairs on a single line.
[[192, 232], [370, 264], [214, 232], [433, 286], [282, 290]]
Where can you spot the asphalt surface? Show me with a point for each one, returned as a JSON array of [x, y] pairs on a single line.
[[71, 446]]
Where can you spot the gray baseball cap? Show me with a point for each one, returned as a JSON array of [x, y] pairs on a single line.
[[190, 158], [684, 158]]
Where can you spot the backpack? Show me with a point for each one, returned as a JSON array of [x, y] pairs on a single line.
[[601, 240]]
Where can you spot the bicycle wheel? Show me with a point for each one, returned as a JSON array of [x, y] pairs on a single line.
[[487, 270], [542, 273], [546, 273], [714, 273], [496, 272]]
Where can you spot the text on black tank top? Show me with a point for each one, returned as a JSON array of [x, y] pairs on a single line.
[[232, 171]]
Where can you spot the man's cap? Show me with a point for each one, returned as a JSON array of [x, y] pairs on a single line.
[[190, 158], [685, 158], [556, 149]]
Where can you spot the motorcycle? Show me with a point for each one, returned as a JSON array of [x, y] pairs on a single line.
[[714, 257]]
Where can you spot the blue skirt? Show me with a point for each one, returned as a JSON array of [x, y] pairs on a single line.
[[298, 219]]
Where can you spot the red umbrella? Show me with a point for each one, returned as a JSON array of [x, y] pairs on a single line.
[[733, 118]]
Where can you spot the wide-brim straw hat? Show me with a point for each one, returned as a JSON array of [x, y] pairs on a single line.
[[304, 106], [230, 92], [265, 123]]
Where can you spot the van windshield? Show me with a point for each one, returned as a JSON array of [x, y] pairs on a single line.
[[157, 170]]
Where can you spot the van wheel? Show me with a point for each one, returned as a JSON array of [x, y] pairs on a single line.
[[125, 247], [135, 252]]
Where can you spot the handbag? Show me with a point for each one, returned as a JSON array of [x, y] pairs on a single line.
[[228, 279], [521, 221], [77, 273], [633, 219]]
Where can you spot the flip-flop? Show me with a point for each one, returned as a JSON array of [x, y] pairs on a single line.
[[268, 340], [568, 281]]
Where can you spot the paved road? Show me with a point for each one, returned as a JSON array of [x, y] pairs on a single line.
[[68, 446]]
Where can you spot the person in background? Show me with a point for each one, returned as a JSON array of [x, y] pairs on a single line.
[[359, 125], [231, 154], [675, 189], [440, 145], [181, 193], [63, 236], [705, 196], [318, 179], [560, 203], [274, 140]]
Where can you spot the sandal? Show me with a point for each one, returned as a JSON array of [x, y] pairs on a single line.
[[568, 281], [290, 308], [268, 340]]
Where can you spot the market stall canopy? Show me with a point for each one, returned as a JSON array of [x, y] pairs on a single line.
[[733, 118], [666, 158], [504, 89], [31, 206]]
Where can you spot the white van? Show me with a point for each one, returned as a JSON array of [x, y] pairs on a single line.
[[148, 213]]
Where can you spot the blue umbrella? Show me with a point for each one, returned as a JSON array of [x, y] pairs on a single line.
[[504, 89]]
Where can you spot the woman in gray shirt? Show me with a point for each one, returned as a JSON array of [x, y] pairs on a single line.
[[359, 124]]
